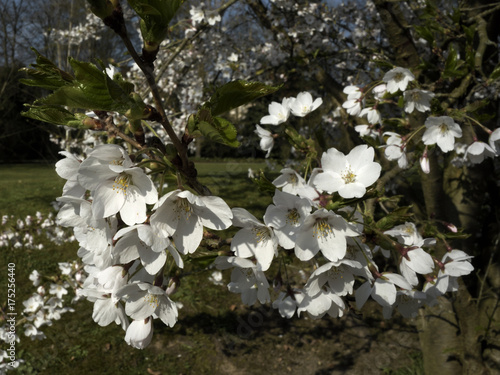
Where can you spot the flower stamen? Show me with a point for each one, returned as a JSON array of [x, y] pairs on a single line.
[[121, 183], [261, 233], [348, 176], [322, 229], [293, 217]]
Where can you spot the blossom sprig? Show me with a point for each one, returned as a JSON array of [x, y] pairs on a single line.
[[130, 253], [440, 130], [279, 113], [128, 248]]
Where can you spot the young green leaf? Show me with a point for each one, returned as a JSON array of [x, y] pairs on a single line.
[[155, 17], [93, 89], [237, 93], [45, 74], [55, 115]]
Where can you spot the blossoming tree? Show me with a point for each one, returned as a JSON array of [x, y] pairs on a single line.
[[414, 120]]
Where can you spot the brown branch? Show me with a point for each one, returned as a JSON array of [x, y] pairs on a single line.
[[398, 33], [112, 129], [181, 162]]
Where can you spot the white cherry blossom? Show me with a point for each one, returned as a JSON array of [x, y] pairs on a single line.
[[278, 113], [323, 231], [139, 333], [398, 79], [417, 99], [353, 92], [304, 104], [407, 303], [266, 139], [67, 168], [254, 240], [478, 151], [286, 215], [182, 215], [353, 106], [395, 149], [144, 300], [349, 175], [372, 114], [494, 140], [456, 263], [287, 303], [247, 279], [338, 275], [442, 131], [324, 302], [383, 290]]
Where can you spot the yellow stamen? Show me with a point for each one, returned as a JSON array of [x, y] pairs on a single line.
[[121, 183], [117, 162], [262, 233], [293, 217], [322, 229], [443, 128], [183, 208], [399, 77], [348, 176], [409, 229], [152, 299]]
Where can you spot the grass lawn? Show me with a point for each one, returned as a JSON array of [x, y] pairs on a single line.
[[27, 188], [215, 334]]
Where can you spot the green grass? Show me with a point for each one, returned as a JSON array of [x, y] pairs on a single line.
[[26, 189]]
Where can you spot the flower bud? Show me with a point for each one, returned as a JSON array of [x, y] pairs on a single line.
[[424, 163]]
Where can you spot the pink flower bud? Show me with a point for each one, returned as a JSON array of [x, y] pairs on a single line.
[[424, 163], [451, 227]]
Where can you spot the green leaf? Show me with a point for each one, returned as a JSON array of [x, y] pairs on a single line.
[[202, 261], [237, 93], [451, 61], [496, 73], [401, 102], [469, 33], [155, 17], [425, 33], [55, 115], [219, 130], [216, 129], [92, 89], [396, 217], [45, 74], [453, 67], [264, 184]]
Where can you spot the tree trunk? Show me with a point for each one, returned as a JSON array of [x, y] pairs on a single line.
[[439, 339]]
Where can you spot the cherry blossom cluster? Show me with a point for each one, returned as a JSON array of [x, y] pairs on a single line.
[[300, 224], [128, 236], [28, 232], [439, 131], [300, 106], [88, 30]]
